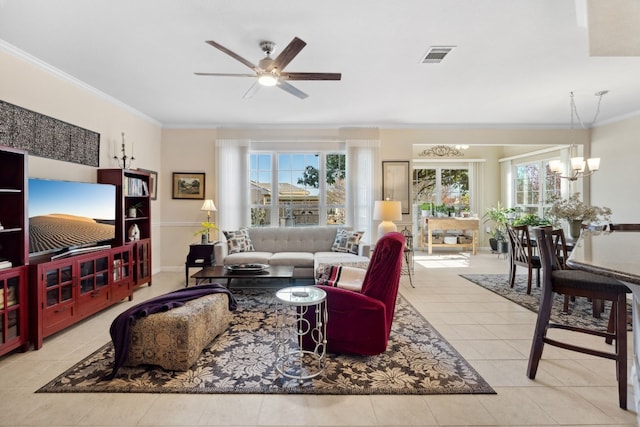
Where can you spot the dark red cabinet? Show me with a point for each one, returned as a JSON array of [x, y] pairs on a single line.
[[14, 250]]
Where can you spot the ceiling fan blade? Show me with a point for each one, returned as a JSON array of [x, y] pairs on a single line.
[[292, 90], [225, 74], [311, 76], [287, 54], [252, 90], [232, 54]]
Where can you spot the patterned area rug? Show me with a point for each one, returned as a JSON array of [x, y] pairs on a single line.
[[418, 361], [580, 311]]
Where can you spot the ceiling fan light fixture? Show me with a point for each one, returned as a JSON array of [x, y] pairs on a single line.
[[268, 79]]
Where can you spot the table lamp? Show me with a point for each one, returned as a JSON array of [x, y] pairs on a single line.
[[387, 211], [208, 206]]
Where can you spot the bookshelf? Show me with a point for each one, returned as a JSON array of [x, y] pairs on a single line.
[[133, 208], [14, 250]]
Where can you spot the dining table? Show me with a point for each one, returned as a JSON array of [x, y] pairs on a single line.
[[615, 254]]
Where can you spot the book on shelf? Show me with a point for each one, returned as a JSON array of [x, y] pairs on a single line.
[[5, 264], [134, 187]]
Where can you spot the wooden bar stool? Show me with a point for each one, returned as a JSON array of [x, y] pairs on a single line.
[[583, 284]]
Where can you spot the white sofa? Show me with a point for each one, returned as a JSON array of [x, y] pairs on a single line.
[[306, 248]]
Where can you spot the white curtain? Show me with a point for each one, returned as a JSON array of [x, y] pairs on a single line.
[[362, 173], [233, 184], [476, 184]]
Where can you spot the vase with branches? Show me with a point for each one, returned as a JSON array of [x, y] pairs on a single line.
[[576, 212]]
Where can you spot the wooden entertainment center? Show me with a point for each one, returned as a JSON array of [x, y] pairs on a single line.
[[14, 251], [41, 296]]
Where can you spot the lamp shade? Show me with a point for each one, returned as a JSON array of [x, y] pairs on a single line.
[[387, 210], [208, 205]]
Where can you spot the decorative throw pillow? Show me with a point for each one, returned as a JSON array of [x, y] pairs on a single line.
[[342, 276], [238, 241], [347, 241]]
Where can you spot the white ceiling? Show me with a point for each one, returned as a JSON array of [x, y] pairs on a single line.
[[514, 63]]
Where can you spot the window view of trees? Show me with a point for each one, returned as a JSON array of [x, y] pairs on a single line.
[[535, 187], [302, 197], [444, 189]]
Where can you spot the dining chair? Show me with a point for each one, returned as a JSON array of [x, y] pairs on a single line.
[[521, 254], [583, 284], [624, 227]]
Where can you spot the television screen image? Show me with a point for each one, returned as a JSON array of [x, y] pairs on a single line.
[[66, 215]]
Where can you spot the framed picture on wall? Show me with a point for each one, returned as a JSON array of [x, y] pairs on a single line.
[[396, 183], [153, 183], [188, 185]]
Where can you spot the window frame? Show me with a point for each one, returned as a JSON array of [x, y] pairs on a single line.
[[278, 204], [545, 200]]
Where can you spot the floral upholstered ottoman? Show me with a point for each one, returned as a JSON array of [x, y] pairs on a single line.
[[174, 339]]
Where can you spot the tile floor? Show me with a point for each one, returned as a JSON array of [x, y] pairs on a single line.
[[492, 333]]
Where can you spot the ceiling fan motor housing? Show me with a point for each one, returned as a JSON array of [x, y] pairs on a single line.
[[267, 47]]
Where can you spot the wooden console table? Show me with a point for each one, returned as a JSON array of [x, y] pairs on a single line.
[[431, 224]]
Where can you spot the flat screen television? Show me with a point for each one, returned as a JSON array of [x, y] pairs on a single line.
[[69, 217]]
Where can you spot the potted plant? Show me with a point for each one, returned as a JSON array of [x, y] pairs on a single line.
[[133, 210], [498, 215], [205, 231], [442, 210], [576, 212], [532, 220], [426, 208]]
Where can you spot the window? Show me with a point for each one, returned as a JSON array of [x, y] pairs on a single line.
[[448, 186], [297, 189], [535, 187]]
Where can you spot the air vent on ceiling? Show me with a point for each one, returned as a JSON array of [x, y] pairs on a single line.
[[436, 54]]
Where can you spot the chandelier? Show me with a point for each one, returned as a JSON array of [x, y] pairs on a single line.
[[579, 167]]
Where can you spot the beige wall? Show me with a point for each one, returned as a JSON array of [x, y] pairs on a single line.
[[617, 183], [190, 150], [193, 150], [30, 86]]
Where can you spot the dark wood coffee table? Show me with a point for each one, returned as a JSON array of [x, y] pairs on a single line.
[[219, 272]]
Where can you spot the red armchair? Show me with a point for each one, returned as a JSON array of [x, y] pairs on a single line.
[[360, 323]]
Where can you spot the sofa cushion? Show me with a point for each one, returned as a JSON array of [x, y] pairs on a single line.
[[238, 241], [293, 239], [248, 258], [347, 241], [297, 259]]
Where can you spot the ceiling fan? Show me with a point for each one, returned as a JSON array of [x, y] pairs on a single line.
[[270, 72]]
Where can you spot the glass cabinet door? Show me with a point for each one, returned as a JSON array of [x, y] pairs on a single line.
[[9, 308], [13, 310], [59, 285], [94, 274], [121, 266]]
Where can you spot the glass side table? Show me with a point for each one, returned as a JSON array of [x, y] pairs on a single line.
[[292, 303]]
